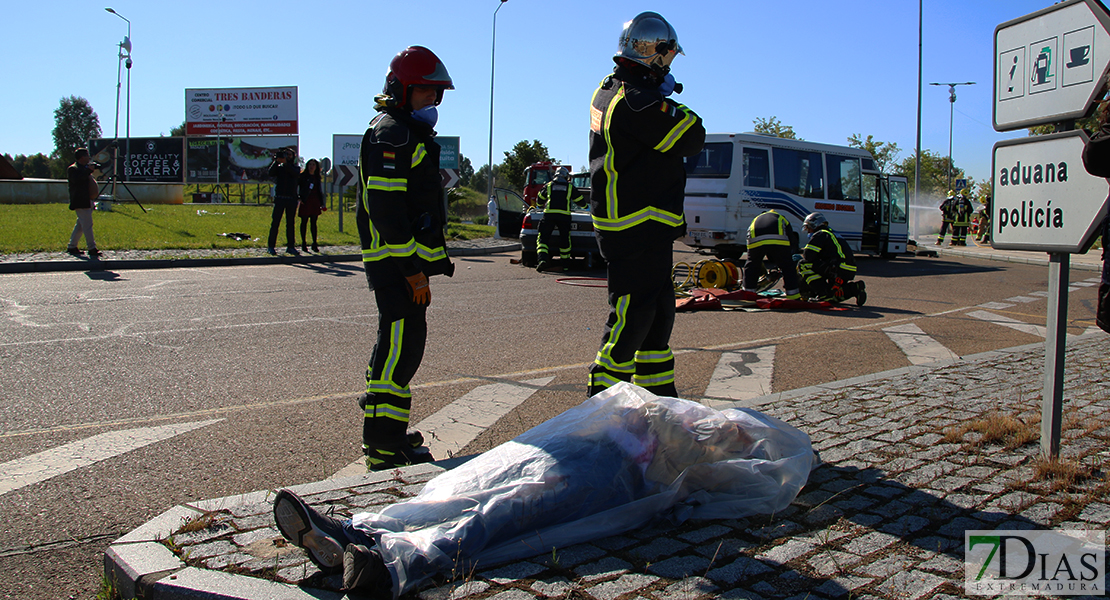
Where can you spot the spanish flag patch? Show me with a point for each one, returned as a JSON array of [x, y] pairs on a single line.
[[388, 159]]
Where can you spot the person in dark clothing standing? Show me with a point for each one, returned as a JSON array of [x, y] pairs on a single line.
[[828, 265], [638, 140], [771, 236], [312, 202], [556, 198], [400, 219], [285, 173], [82, 190]]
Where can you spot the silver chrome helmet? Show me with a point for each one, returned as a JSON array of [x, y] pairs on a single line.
[[649, 40], [562, 173], [814, 221]]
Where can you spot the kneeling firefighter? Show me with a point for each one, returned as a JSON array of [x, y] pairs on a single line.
[[828, 267]]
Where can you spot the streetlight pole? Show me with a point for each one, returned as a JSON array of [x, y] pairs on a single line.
[[951, 110], [493, 55], [124, 47]]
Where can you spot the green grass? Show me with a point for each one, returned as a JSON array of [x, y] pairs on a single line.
[[46, 227]]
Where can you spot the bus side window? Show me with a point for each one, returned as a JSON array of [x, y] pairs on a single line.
[[714, 160], [844, 174], [756, 168], [799, 172]]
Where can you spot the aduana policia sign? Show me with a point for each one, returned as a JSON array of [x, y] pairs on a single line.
[[1044, 199]]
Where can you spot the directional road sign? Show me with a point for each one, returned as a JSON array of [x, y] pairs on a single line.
[[345, 175], [449, 177], [1049, 65], [1043, 197]]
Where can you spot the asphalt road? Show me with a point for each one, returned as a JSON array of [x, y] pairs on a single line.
[[260, 367]]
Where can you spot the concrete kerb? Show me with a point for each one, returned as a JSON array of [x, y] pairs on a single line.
[[1079, 262], [142, 566], [476, 248]]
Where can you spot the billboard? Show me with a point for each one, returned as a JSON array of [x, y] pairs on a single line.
[[240, 159], [345, 149], [241, 111], [151, 160], [448, 152]]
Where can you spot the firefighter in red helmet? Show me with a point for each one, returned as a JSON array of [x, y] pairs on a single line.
[[401, 215]]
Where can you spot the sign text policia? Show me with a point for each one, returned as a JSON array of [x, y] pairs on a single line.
[[1046, 72]]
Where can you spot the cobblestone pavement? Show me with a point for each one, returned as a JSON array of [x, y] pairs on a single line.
[[911, 459]]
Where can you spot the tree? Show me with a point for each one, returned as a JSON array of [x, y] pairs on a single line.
[[466, 170], [178, 131], [934, 173], [883, 152], [481, 177], [522, 155], [37, 166], [774, 127], [75, 123]]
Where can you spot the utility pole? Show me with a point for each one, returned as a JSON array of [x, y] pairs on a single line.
[[951, 109]]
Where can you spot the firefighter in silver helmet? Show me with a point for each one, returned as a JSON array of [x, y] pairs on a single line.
[[639, 138], [828, 266]]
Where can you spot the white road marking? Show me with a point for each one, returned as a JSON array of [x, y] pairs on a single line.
[[995, 305], [1022, 326], [1022, 299], [740, 375], [448, 431], [1041, 293], [29, 470], [919, 347], [1084, 283], [1094, 280]]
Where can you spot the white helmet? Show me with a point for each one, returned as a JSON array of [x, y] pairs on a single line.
[[562, 173], [649, 40], [814, 221]]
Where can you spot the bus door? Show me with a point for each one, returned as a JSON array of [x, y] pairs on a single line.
[[873, 219], [895, 225]]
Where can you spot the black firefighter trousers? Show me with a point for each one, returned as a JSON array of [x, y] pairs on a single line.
[[402, 332], [636, 344]]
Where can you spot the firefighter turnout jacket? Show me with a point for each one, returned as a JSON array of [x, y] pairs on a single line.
[[558, 196], [827, 256], [961, 212], [771, 229], [402, 212], [638, 139]]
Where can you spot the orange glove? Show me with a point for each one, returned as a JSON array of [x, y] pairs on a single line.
[[418, 283]]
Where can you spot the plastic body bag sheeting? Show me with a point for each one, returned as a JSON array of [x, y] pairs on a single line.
[[617, 461]]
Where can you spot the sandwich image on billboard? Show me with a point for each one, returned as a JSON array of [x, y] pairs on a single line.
[[239, 159]]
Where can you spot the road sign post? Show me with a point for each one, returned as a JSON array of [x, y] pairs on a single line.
[[1049, 68]]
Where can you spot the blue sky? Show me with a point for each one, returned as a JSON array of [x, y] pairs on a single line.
[[828, 69]]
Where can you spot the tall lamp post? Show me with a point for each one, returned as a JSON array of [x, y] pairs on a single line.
[[124, 58], [951, 109], [493, 54]]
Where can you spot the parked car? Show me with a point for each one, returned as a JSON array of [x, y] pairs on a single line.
[[512, 210]]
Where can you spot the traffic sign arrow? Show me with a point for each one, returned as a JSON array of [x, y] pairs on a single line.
[[1043, 197], [449, 177], [345, 176], [1049, 65]]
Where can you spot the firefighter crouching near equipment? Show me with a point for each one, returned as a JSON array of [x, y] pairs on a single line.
[[828, 265], [638, 139], [771, 236], [946, 214], [961, 220], [556, 198], [400, 223]]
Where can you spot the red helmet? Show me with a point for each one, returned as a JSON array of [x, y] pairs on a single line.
[[415, 65]]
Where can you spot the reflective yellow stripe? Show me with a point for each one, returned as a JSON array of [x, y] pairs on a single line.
[[419, 154], [654, 356], [386, 250], [641, 216], [386, 384], [386, 184], [654, 379], [677, 131], [430, 254], [608, 164], [604, 380], [604, 355]]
